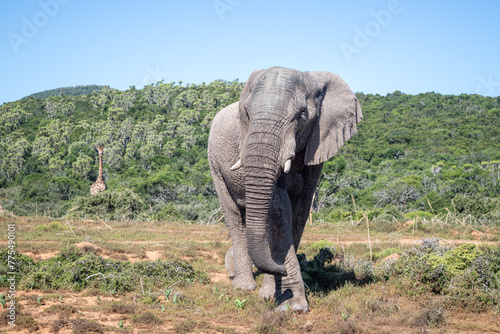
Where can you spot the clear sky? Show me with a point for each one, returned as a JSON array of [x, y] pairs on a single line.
[[377, 46]]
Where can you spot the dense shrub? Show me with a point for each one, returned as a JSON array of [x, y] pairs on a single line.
[[76, 270], [110, 205], [468, 275]]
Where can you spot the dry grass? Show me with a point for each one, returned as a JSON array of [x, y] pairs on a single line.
[[376, 307]]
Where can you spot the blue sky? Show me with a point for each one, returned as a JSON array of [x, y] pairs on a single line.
[[415, 46]]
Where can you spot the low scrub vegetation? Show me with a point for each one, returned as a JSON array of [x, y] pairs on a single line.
[[468, 276], [75, 270], [412, 284]]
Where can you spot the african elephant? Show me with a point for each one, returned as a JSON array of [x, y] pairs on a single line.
[[266, 153]]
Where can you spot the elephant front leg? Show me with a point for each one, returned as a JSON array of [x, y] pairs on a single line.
[[288, 291], [238, 263]]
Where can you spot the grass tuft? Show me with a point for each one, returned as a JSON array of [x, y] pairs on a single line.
[[81, 326], [146, 318]]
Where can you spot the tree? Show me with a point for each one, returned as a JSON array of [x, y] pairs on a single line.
[[82, 166], [329, 183], [12, 158]]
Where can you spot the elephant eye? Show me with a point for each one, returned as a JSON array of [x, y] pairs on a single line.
[[302, 116]]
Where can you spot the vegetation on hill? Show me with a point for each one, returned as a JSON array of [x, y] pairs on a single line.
[[414, 155], [77, 90]]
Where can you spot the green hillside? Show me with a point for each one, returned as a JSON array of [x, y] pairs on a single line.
[[425, 155], [77, 90]]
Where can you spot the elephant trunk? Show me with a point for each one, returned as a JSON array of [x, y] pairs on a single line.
[[262, 169]]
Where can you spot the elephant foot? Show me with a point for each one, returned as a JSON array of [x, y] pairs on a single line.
[[268, 288], [244, 282], [294, 304], [292, 301], [289, 300]]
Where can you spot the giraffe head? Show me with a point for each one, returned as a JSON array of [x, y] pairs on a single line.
[[100, 148]]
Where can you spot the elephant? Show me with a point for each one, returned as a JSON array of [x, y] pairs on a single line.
[[265, 153]]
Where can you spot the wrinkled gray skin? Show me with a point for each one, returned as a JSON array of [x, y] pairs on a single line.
[[282, 115]]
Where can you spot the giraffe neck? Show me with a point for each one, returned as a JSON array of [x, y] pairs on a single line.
[[100, 166]]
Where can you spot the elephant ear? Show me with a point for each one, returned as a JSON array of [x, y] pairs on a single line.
[[339, 113]]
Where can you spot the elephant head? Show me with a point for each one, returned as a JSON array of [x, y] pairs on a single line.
[[288, 119]]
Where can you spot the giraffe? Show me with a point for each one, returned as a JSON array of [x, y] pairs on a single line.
[[99, 185]]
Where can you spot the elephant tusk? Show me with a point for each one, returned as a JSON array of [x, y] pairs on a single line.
[[288, 165], [236, 166]]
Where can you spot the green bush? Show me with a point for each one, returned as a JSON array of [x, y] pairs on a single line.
[[168, 212], [338, 215], [420, 214], [318, 245], [110, 205], [477, 205], [54, 226], [76, 270], [455, 260], [389, 212], [469, 276]]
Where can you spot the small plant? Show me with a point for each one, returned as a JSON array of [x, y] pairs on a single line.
[[163, 308], [2, 300], [223, 297], [168, 293], [175, 298], [39, 300], [240, 303], [60, 299], [345, 316], [120, 324], [55, 226]]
